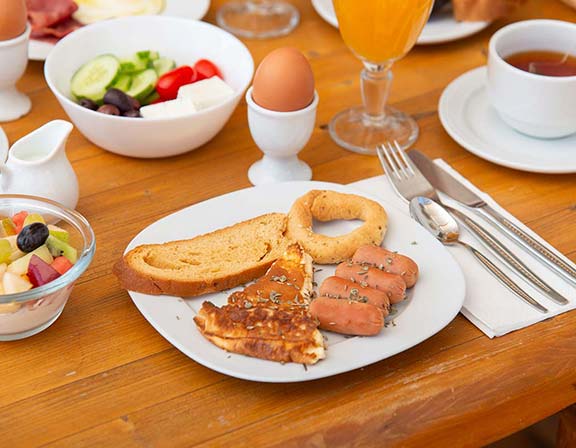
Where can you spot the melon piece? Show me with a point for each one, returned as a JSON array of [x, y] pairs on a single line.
[[18, 220], [20, 266], [62, 265], [32, 218], [14, 283], [5, 250], [7, 227], [12, 240]]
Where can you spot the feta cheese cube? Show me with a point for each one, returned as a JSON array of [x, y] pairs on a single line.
[[168, 109], [206, 93]]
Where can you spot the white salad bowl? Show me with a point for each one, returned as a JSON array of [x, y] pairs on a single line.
[[183, 40]]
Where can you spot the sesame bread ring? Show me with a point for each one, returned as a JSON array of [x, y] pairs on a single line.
[[328, 206]]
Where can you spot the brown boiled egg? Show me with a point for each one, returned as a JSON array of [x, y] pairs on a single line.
[[284, 81], [12, 18]]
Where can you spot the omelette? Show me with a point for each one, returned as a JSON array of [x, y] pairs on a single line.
[[269, 319]]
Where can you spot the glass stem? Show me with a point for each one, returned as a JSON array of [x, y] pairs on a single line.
[[376, 80]]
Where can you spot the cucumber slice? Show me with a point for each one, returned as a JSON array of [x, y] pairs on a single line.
[[163, 65], [123, 83], [150, 98], [133, 65], [93, 79], [143, 84], [144, 55], [148, 55]]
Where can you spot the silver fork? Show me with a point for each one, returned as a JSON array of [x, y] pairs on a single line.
[[409, 182]]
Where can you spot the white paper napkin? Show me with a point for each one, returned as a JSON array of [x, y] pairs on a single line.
[[489, 305]]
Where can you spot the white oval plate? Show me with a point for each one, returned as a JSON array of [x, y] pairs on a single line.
[[440, 28], [468, 117], [432, 303], [188, 9]]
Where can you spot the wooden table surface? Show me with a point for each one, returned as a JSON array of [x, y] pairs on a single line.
[[102, 376]]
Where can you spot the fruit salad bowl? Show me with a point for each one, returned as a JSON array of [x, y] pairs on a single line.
[[44, 249], [181, 40]]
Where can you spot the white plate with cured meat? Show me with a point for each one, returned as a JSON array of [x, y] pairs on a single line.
[[431, 304], [56, 17]]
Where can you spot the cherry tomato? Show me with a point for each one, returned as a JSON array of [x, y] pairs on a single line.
[[169, 83], [206, 69]]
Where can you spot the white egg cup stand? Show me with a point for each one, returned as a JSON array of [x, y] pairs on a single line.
[[280, 136], [13, 62]]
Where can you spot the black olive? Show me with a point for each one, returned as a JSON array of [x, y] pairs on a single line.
[[132, 113], [119, 99], [135, 103], [109, 109], [88, 104], [32, 236]]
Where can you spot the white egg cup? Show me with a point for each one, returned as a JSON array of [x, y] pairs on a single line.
[[280, 136], [13, 62]]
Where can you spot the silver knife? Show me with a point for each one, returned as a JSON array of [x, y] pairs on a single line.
[[445, 183]]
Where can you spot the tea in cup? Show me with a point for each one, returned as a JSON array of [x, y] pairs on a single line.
[[532, 77]]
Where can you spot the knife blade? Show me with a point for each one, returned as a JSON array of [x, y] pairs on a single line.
[[442, 181], [448, 185]]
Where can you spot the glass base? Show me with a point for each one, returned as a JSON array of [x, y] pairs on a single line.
[[258, 19], [354, 130]]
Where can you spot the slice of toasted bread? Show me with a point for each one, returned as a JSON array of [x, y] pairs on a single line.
[[207, 263], [484, 10], [269, 319]]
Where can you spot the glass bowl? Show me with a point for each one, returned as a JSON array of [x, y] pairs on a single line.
[[28, 313]]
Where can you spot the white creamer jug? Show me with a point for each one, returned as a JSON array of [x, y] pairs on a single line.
[[37, 165]]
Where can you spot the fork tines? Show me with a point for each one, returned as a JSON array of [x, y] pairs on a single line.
[[405, 177], [394, 161]]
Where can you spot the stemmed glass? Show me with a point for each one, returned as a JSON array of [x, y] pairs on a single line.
[[258, 19], [379, 32]]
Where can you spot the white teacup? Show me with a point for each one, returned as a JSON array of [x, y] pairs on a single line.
[[536, 105]]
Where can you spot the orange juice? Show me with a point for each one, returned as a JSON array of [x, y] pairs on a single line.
[[381, 30]]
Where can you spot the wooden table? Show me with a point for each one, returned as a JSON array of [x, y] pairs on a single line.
[[102, 376]]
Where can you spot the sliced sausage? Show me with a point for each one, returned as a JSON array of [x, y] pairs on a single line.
[[340, 288], [347, 317], [389, 262], [393, 285]]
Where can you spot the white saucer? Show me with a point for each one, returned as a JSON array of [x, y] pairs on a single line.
[[469, 119], [189, 9], [325, 9], [440, 28]]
